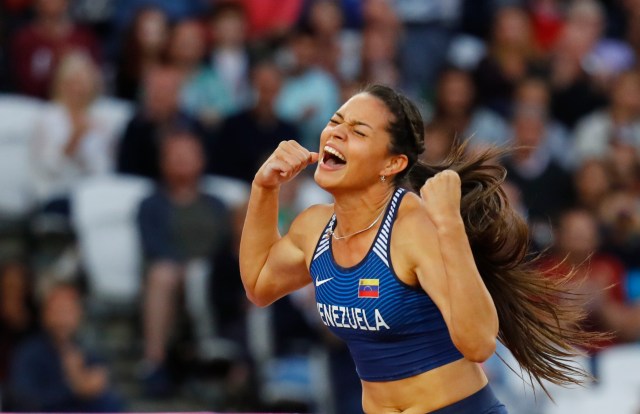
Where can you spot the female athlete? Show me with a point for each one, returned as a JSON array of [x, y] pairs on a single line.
[[418, 268]]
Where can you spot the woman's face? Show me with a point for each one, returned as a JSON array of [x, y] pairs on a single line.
[[354, 145]]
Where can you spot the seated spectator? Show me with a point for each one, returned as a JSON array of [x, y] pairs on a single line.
[[378, 56], [37, 49], [309, 95], [142, 47], [583, 63], [619, 216], [598, 276], [52, 372], [181, 229], [71, 141], [456, 109], [598, 134], [593, 181], [17, 312], [511, 57], [271, 19], [427, 28], [228, 56], [246, 139], [546, 188], [438, 141], [204, 95], [535, 93], [140, 145]]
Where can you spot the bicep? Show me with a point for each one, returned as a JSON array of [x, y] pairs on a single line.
[[421, 250], [284, 271]]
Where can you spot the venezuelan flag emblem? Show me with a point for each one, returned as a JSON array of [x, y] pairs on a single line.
[[369, 288]]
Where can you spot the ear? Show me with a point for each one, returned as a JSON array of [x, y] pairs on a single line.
[[395, 164]]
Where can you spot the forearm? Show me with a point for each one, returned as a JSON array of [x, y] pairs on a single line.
[[259, 234], [474, 319]]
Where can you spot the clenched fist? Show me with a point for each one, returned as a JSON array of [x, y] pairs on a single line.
[[441, 196], [285, 163]]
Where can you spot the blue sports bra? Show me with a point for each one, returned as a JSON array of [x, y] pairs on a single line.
[[393, 330]]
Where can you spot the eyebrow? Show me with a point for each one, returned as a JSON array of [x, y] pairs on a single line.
[[354, 122]]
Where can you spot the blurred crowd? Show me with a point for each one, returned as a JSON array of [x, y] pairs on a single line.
[[130, 131]]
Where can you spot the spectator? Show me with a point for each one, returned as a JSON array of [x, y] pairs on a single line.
[[340, 46], [534, 93], [599, 133], [593, 182], [428, 29], [140, 146], [254, 133], [619, 217], [598, 276], [17, 312], [546, 188], [52, 372], [309, 95], [632, 10], [271, 19], [438, 141], [125, 10], [36, 49], [181, 230], [204, 95], [72, 141], [378, 56], [512, 56], [583, 63], [229, 55], [456, 108], [547, 22], [144, 42]]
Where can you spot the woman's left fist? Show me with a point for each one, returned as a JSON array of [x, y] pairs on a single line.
[[441, 196]]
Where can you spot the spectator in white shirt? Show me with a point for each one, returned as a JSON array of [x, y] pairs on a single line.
[[71, 141]]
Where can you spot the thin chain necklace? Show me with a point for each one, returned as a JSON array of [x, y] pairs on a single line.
[[333, 234]]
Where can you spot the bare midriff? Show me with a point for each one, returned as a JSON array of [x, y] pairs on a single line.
[[425, 392]]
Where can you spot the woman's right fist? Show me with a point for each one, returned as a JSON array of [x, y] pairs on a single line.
[[285, 163]]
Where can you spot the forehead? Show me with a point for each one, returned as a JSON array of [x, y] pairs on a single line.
[[368, 109]]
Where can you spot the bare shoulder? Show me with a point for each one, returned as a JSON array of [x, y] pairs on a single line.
[[412, 216], [307, 226]]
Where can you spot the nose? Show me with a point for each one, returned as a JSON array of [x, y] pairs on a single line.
[[339, 131]]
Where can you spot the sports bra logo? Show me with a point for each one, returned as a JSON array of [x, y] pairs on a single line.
[[323, 281]]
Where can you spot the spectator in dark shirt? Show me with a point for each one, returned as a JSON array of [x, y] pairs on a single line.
[[143, 43], [139, 148], [51, 372], [246, 139], [17, 313], [36, 49], [181, 229], [545, 186]]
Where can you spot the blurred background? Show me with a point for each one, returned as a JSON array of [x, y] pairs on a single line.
[[130, 131]]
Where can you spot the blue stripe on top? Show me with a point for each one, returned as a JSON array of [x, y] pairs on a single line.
[[398, 334]]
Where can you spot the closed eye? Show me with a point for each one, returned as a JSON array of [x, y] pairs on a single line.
[[362, 134], [334, 121]]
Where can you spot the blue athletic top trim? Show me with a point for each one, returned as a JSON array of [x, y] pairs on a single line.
[[393, 330]]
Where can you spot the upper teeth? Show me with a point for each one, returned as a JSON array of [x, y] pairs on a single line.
[[335, 152]]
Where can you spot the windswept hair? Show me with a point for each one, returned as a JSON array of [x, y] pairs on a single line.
[[540, 319]]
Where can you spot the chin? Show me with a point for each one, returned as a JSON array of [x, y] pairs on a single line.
[[326, 180]]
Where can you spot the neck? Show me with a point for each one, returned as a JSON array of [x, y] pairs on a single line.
[[355, 211]]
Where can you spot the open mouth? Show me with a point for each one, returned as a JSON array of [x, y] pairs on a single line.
[[333, 158]]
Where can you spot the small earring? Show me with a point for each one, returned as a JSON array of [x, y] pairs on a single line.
[[383, 178]]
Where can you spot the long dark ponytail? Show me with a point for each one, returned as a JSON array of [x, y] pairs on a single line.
[[539, 318]]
